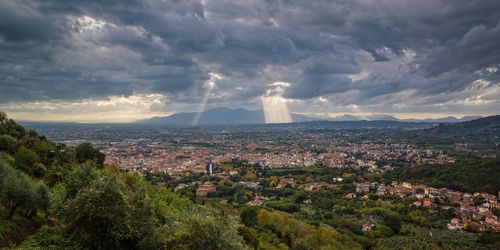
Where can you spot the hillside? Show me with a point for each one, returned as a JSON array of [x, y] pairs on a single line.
[[481, 134], [466, 175], [485, 123]]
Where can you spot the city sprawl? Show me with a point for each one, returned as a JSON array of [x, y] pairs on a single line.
[[349, 162]]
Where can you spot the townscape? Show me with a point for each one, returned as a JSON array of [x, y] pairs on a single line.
[[212, 152], [177, 151]]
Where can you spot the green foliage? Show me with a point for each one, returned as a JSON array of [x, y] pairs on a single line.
[[390, 218], [249, 215], [85, 152], [467, 175], [299, 235], [26, 160], [8, 143], [19, 192], [50, 238], [414, 237], [80, 177], [157, 178], [394, 222], [104, 216], [382, 231], [203, 230], [490, 239], [7, 158], [284, 205], [102, 210], [249, 236], [42, 198]]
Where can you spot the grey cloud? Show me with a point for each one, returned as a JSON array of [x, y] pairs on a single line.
[[477, 49], [20, 21], [169, 47]]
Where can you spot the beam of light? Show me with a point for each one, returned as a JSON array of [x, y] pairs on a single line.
[[275, 106], [210, 84]]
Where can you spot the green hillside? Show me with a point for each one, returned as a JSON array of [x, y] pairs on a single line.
[[466, 175], [479, 135]]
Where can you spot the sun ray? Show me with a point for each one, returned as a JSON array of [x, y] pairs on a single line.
[[210, 84], [274, 105]]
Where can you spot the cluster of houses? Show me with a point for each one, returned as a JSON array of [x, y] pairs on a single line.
[[476, 211], [258, 200], [471, 210], [205, 188], [178, 158], [314, 186]]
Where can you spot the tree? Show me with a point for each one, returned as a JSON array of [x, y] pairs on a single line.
[[39, 170], [394, 222], [250, 236], [249, 215], [8, 143], [18, 190], [205, 231], [241, 196], [382, 231], [3, 117], [97, 217], [6, 171], [111, 212], [79, 178], [26, 160], [42, 201], [85, 152], [7, 158]]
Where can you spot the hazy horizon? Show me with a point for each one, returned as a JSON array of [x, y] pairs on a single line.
[[326, 117]]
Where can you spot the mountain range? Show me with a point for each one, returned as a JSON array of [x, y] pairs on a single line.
[[220, 116], [229, 116]]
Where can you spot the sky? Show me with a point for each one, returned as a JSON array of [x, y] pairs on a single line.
[[124, 60]]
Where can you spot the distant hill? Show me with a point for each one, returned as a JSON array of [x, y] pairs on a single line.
[[482, 134], [467, 175], [490, 123], [385, 117], [360, 124], [228, 116], [219, 116], [448, 119]]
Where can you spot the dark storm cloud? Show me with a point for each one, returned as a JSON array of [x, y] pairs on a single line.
[[60, 50], [20, 21]]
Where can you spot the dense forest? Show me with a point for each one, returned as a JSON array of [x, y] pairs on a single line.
[[471, 174]]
